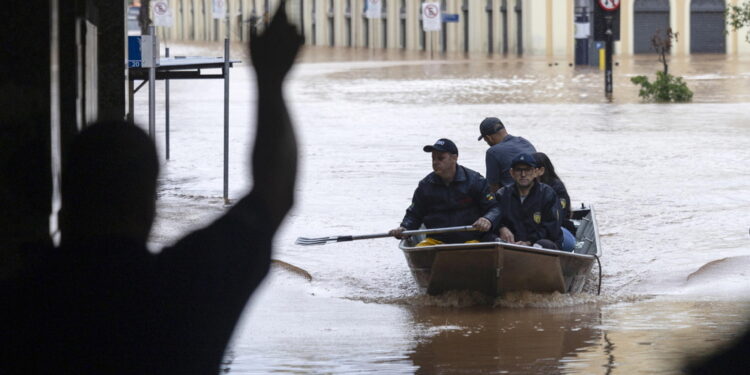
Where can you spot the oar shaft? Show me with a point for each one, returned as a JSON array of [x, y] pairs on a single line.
[[464, 228], [324, 240]]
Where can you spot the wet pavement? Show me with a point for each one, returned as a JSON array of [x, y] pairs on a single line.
[[668, 182]]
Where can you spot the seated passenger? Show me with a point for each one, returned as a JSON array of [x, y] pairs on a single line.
[[546, 174], [452, 195], [530, 209]]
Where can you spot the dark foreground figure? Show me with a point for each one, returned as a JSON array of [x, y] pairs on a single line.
[[101, 303]]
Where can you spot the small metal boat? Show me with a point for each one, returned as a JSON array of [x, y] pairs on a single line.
[[495, 268]]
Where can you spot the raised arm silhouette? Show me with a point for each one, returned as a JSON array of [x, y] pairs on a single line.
[[101, 302]]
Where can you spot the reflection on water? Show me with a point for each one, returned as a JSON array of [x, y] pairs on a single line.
[[660, 336], [293, 327], [656, 336], [488, 340]]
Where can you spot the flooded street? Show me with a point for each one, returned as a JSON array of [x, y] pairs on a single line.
[[669, 184]]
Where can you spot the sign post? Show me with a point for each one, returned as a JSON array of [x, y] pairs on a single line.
[[431, 20], [607, 27], [608, 59]]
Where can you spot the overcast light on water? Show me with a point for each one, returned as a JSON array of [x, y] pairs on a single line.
[[669, 184]]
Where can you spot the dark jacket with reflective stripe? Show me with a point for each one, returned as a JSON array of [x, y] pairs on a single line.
[[537, 218], [462, 202]]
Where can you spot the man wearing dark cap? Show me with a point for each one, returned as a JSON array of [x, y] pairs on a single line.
[[452, 195], [530, 209], [503, 148]]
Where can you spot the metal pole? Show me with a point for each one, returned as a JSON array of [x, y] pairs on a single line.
[[226, 121], [431, 51], [608, 58], [131, 96], [166, 107], [151, 88]]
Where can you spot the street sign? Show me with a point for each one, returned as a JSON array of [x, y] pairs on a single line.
[[600, 23], [450, 17], [609, 5], [162, 14], [219, 9], [431, 17], [373, 9]]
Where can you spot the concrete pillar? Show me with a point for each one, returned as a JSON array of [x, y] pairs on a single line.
[[681, 10], [626, 28], [477, 26], [512, 27], [112, 57], [393, 23], [569, 32], [413, 12]]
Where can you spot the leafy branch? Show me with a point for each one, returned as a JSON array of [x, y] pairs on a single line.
[[738, 16]]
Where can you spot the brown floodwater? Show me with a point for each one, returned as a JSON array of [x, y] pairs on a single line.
[[669, 183]]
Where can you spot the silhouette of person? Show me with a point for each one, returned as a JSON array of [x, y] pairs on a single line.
[[101, 302]]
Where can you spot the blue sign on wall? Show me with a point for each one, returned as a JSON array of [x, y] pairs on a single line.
[[134, 51], [450, 17]]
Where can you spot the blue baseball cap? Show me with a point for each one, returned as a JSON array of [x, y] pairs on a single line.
[[442, 145], [524, 159], [489, 126]]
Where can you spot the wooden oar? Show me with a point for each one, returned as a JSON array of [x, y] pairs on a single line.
[[292, 268], [304, 241]]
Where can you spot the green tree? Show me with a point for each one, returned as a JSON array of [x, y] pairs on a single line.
[[738, 16], [666, 87]]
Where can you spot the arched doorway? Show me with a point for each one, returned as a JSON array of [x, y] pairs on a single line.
[[707, 26], [649, 16]]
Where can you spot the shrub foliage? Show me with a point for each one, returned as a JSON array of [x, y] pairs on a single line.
[[666, 87]]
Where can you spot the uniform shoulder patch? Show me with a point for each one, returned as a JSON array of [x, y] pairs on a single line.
[[538, 217]]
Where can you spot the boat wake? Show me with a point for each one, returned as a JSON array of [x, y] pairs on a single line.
[[466, 298]]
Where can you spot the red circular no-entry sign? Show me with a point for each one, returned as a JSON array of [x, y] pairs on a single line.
[[609, 5]]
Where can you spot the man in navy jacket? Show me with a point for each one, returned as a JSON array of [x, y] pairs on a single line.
[[531, 210], [452, 195]]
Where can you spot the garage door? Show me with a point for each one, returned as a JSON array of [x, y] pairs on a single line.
[[649, 17], [707, 26]]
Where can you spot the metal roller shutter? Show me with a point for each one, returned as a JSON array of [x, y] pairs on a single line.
[[707, 26], [649, 16]]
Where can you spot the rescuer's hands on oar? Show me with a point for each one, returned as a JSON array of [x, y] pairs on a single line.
[[482, 224], [506, 235], [397, 232]]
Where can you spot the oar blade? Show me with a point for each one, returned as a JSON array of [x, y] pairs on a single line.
[[305, 241]]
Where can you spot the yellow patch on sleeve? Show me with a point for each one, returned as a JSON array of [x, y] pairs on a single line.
[[538, 217]]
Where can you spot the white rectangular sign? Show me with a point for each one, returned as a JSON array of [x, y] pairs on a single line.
[[220, 9], [374, 9], [162, 13], [431, 19]]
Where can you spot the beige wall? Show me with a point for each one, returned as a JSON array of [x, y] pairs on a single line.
[[548, 25]]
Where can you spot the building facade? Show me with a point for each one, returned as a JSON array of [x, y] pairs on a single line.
[[522, 27]]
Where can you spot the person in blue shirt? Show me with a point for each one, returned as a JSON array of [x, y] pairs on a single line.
[[503, 148], [452, 195], [530, 209]]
